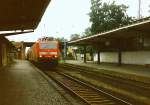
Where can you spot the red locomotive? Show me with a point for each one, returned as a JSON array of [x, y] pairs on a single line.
[[45, 50]]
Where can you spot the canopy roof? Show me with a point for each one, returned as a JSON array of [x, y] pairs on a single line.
[[21, 14], [125, 37], [129, 31]]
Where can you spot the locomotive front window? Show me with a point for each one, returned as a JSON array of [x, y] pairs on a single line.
[[48, 46]]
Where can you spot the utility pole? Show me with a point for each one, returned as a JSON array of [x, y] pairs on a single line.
[[139, 10]]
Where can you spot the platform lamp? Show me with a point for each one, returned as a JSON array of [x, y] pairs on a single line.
[[107, 43], [18, 49]]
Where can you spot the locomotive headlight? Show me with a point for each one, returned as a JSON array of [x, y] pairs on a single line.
[[40, 56], [55, 56]]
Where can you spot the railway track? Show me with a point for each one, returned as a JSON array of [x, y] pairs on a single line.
[[134, 83], [89, 94], [137, 92]]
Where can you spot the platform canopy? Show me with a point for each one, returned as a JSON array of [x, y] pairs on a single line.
[[21, 14], [124, 36]]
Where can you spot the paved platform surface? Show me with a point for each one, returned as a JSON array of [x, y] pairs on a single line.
[[21, 84], [128, 69]]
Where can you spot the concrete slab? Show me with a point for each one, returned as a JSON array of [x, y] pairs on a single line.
[[137, 70], [21, 84]]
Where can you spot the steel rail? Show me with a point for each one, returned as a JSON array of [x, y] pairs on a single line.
[[86, 92], [139, 84]]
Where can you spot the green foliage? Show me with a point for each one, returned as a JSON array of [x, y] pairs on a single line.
[[87, 32], [107, 16], [74, 36], [13, 42], [62, 39]]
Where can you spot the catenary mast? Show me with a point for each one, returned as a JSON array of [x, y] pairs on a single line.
[[139, 10]]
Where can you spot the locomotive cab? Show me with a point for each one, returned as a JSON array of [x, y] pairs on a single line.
[[45, 51], [49, 51]]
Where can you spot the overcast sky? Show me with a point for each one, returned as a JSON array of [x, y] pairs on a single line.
[[65, 17]]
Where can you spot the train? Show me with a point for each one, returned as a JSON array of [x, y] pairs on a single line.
[[45, 51]]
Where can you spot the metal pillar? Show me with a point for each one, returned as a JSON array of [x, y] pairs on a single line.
[[119, 57], [23, 51], [1, 55], [91, 54], [98, 57], [84, 54], [65, 50], [139, 11]]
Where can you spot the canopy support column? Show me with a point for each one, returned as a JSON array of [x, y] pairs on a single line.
[[119, 57], [84, 54], [98, 57]]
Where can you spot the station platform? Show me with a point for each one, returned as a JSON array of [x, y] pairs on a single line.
[[137, 70], [22, 84]]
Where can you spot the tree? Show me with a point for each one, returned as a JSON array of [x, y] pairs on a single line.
[[106, 16], [74, 36], [87, 32], [62, 39]]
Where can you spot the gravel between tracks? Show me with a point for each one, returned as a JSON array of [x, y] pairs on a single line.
[[116, 88]]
